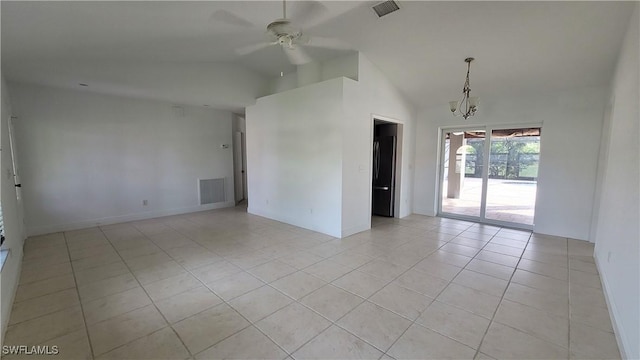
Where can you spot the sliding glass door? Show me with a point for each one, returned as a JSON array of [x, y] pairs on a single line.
[[489, 174], [461, 189]]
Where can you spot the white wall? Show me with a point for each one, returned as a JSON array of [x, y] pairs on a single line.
[[347, 66], [617, 235], [317, 71], [12, 216], [90, 159], [284, 83], [221, 85], [294, 156], [571, 126], [372, 96]]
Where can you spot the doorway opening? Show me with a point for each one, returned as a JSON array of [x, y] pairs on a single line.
[[385, 164], [240, 159], [490, 174]]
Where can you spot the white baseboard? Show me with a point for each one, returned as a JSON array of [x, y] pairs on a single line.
[[614, 314], [48, 229]]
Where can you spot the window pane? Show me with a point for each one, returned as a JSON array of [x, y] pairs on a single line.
[[513, 175], [462, 169]]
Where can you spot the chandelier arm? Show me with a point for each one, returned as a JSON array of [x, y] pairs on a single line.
[[466, 104], [459, 109]]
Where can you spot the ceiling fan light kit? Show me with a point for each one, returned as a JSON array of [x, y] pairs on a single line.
[[468, 106]]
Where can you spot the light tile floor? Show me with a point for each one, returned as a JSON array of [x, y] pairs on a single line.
[[226, 284]]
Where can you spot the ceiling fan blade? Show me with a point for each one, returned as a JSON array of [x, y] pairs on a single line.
[[327, 43], [245, 50], [296, 55], [228, 18], [308, 12]]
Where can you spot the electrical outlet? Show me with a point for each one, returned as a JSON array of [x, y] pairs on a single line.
[[608, 256], [267, 201], [311, 211], [145, 202]]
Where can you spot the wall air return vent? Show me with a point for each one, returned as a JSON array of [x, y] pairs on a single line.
[[385, 8], [211, 191]]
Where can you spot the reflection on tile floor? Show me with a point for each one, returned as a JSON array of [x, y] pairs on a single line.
[[226, 284]]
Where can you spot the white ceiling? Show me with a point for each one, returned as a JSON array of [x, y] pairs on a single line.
[[180, 52]]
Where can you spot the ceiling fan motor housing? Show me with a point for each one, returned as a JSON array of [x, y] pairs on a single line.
[[283, 31], [285, 40]]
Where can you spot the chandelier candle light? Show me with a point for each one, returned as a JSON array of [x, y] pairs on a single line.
[[469, 104]]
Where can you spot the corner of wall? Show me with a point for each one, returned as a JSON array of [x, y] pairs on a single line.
[[616, 233], [614, 313], [14, 231]]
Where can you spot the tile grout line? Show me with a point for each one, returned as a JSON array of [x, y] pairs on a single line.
[[147, 294], [330, 283], [130, 272], [435, 299], [367, 299], [502, 297], [84, 319], [569, 347], [251, 324], [535, 308], [72, 273], [43, 295], [198, 279], [373, 258], [294, 300]]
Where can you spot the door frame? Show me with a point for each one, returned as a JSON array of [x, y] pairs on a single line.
[[398, 170], [485, 173], [440, 164]]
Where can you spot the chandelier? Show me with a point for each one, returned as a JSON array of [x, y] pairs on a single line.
[[469, 104]]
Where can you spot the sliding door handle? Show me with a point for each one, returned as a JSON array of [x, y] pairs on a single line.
[[381, 188]]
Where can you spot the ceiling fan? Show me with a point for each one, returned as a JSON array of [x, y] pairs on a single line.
[[289, 37]]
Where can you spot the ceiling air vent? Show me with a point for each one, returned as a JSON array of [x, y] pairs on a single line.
[[385, 8]]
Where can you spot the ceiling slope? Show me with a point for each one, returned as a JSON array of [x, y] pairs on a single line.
[[181, 52]]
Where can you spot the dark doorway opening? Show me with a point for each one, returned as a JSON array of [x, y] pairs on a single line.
[[385, 140]]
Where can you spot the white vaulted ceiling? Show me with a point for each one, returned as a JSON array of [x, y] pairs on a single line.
[[179, 52]]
